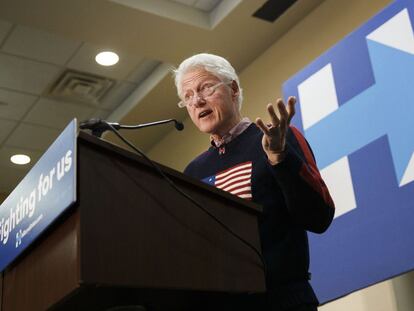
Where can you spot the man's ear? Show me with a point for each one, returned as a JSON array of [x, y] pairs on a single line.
[[234, 89]]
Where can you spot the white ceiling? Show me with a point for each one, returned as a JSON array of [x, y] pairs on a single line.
[[40, 40], [31, 60]]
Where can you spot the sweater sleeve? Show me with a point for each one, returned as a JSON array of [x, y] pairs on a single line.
[[306, 195]]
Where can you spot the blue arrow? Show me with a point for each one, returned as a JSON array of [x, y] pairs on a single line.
[[385, 108]]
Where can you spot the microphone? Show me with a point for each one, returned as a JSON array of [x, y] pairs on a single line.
[[178, 125], [99, 126]]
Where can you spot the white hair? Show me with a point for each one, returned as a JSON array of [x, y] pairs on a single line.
[[217, 65]]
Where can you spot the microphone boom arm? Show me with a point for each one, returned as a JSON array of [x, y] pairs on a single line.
[[98, 126]]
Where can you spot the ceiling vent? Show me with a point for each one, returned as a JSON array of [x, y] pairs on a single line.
[[273, 9], [79, 86]]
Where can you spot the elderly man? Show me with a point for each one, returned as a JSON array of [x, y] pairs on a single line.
[[270, 164]]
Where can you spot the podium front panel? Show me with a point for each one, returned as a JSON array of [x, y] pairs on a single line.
[[153, 237]]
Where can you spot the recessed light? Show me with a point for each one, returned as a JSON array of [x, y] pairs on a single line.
[[20, 159], [107, 58]]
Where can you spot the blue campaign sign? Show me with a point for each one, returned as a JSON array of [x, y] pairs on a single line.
[[43, 194], [355, 107]]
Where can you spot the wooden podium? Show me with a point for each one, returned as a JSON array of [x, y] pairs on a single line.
[[131, 240]]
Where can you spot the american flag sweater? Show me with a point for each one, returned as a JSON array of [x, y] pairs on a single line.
[[293, 196]]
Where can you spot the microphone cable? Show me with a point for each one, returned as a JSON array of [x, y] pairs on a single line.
[[188, 197]]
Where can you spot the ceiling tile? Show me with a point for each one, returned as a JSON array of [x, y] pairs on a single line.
[[7, 152], [25, 75], [84, 60], [32, 137], [11, 173], [15, 104], [56, 113], [10, 178], [4, 30], [6, 127], [40, 45], [143, 70], [117, 95]]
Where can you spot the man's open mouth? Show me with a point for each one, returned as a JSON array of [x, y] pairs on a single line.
[[204, 113]]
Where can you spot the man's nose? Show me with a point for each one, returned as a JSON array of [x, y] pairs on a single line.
[[199, 101]]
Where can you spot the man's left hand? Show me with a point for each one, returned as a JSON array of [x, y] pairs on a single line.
[[274, 134]]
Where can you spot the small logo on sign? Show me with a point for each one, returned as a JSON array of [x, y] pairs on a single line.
[[19, 238]]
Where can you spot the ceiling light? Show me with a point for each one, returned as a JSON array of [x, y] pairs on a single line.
[[20, 159], [107, 58]]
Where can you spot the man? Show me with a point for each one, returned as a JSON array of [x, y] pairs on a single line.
[[270, 164]]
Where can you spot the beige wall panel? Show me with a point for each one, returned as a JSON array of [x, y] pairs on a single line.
[[404, 291], [379, 297], [178, 148]]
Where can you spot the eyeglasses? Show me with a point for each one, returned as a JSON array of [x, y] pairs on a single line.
[[206, 90]]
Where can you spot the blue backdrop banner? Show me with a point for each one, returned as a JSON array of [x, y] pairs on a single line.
[[45, 193], [355, 107]]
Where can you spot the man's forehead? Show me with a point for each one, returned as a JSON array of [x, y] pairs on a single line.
[[196, 76]]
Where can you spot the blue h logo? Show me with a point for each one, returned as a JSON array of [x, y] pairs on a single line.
[[385, 107]]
